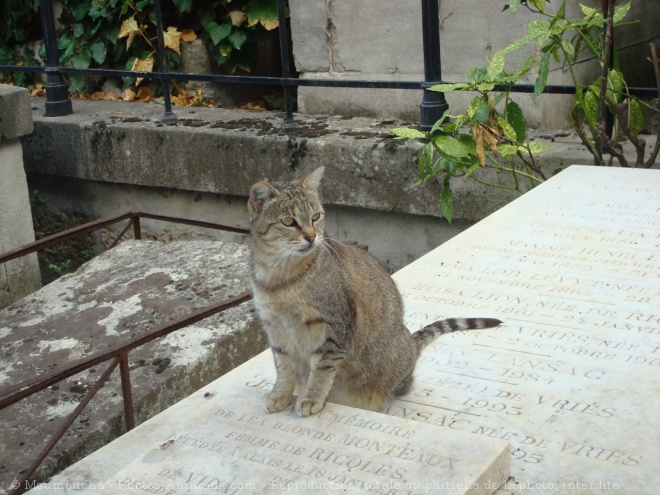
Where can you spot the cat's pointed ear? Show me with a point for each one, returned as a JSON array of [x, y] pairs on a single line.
[[259, 193], [313, 180]]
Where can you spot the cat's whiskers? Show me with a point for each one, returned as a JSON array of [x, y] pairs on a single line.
[[280, 266], [327, 246]]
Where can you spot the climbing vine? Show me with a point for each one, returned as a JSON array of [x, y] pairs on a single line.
[[121, 34]]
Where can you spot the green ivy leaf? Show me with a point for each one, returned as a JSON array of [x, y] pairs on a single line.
[[205, 17], [237, 38], [82, 59], [182, 5], [99, 52], [218, 32], [514, 5], [567, 46], [76, 83], [78, 30], [79, 10], [516, 119], [262, 11], [408, 133], [63, 42]]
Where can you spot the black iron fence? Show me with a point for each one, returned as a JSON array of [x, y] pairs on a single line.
[[432, 106]]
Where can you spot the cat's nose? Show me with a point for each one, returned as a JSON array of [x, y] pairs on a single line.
[[309, 235]]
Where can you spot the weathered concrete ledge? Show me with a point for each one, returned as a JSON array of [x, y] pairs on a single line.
[[211, 157], [118, 295], [225, 151]]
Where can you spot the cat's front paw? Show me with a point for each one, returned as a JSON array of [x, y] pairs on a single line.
[[306, 406], [275, 401]]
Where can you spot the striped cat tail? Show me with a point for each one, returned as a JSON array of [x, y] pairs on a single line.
[[430, 332]]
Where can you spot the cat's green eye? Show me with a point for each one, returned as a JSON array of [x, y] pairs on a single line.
[[288, 221], [316, 216]]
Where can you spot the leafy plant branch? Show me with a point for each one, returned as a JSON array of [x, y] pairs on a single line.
[[496, 138], [120, 34]]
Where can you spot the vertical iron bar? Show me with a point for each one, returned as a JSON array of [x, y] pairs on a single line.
[[433, 104], [137, 229], [289, 124], [21, 486], [127, 394], [168, 117], [57, 96]]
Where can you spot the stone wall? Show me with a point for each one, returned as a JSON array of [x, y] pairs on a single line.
[[110, 157], [21, 276], [382, 39]]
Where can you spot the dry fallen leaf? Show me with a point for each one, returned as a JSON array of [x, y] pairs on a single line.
[[129, 28], [188, 35], [146, 65], [491, 139], [258, 104], [270, 25], [172, 39], [38, 90], [144, 94], [238, 17], [129, 95]]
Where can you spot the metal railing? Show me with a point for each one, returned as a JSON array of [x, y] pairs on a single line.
[[432, 106], [117, 354]]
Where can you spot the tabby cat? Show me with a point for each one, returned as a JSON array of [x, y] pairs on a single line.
[[333, 315]]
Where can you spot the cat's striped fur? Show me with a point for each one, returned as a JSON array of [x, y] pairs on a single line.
[[333, 315]]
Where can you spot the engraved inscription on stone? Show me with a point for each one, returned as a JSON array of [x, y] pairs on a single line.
[[221, 440], [571, 378]]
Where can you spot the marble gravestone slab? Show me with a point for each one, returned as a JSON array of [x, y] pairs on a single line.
[[221, 440], [572, 378]]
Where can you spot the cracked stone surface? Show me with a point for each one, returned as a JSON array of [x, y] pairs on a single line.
[[120, 294]]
